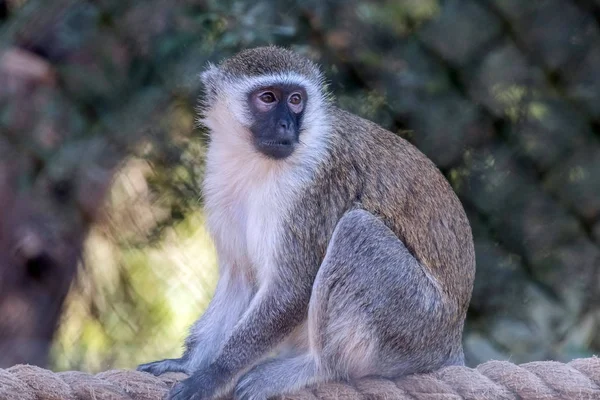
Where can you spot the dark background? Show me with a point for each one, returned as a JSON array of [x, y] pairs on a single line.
[[100, 160]]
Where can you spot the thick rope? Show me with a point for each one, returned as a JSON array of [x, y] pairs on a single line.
[[498, 380]]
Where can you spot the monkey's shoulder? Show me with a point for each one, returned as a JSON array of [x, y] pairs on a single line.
[[394, 177], [379, 149]]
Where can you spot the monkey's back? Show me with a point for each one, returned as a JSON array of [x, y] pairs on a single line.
[[395, 181]]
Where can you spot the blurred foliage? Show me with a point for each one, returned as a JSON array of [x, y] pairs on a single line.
[[150, 267], [503, 95]]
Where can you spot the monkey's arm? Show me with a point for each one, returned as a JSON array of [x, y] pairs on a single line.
[[232, 297], [274, 312]]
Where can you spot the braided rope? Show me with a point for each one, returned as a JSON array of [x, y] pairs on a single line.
[[498, 380]]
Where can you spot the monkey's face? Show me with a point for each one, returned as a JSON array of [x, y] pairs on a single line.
[[277, 112]]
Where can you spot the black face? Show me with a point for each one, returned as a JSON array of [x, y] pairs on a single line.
[[277, 112]]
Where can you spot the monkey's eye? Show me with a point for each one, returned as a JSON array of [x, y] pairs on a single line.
[[267, 97], [295, 99]]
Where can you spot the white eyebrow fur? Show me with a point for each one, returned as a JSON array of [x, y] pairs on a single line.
[[238, 88]]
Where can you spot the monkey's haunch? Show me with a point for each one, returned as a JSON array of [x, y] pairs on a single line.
[[579, 379]]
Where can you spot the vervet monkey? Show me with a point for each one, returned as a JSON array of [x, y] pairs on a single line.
[[343, 251]]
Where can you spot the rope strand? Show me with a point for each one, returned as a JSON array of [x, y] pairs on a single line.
[[497, 380]]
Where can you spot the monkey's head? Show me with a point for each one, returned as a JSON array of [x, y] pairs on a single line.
[[270, 97]]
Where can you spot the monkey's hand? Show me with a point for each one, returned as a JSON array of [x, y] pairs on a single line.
[[162, 366], [203, 384]]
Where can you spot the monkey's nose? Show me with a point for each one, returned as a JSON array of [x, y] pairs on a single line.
[[284, 124], [286, 130]]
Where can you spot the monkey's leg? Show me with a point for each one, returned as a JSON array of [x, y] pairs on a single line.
[[373, 311], [376, 310], [232, 296]]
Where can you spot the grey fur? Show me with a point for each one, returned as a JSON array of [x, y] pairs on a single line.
[[376, 260], [269, 60]]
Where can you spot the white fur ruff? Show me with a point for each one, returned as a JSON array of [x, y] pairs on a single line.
[[248, 195]]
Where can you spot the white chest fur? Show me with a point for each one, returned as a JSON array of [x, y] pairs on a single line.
[[247, 195], [247, 198]]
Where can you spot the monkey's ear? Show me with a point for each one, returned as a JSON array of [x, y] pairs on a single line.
[[209, 75], [209, 78]]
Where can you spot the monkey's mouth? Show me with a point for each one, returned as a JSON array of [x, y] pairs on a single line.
[[275, 143], [276, 148]]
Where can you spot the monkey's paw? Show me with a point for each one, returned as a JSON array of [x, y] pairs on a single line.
[[187, 389], [254, 385], [162, 366], [184, 391], [201, 385]]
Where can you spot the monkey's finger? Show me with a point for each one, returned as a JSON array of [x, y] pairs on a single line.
[[177, 393], [162, 366], [184, 391]]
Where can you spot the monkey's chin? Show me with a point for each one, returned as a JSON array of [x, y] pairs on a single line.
[[274, 149]]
